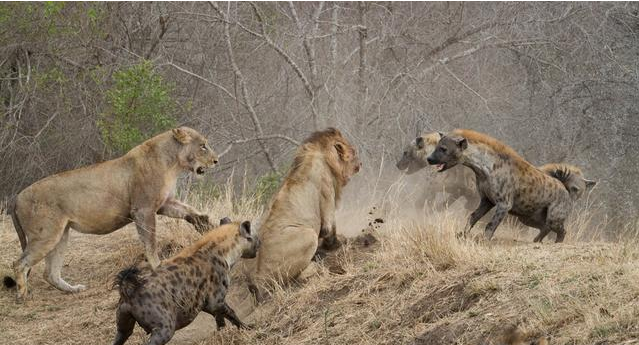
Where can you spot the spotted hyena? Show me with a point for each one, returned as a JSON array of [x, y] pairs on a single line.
[[506, 182], [168, 298]]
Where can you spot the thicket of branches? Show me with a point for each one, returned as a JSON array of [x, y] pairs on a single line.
[[557, 81]]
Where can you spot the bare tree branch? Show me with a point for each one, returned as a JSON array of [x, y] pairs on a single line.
[[266, 137], [244, 91]]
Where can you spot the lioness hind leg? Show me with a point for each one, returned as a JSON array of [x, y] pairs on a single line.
[[54, 261], [39, 244]]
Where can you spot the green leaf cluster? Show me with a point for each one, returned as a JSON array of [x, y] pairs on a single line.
[[139, 106]]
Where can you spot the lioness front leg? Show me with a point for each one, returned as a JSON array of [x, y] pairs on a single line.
[[145, 224], [176, 209]]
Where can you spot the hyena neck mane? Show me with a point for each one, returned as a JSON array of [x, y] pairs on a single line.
[[222, 243], [484, 151], [479, 160]]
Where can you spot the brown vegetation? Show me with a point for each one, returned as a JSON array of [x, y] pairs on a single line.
[[417, 285]]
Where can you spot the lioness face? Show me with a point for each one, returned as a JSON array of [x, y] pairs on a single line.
[[196, 155], [415, 154], [447, 153]]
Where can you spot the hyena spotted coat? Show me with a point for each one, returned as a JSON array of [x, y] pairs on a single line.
[[196, 279], [506, 182]]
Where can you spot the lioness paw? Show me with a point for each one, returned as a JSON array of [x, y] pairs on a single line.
[[78, 288]]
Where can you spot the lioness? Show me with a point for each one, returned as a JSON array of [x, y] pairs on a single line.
[[104, 197], [303, 210]]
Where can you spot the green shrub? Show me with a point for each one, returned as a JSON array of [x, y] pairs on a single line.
[[267, 185], [140, 106]]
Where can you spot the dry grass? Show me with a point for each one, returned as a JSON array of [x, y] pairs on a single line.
[[417, 285]]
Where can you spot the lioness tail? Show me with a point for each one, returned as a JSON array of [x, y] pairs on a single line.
[[11, 209]]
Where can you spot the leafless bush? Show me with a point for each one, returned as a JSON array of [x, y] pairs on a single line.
[[557, 81]]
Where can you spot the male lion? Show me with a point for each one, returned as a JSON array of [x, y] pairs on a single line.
[[303, 210], [104, 197]]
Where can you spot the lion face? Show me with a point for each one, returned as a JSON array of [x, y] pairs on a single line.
[[348, 158], [195, 153]]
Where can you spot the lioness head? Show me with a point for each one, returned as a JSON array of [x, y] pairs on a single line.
[[195, 154], [448, 152], [414, 157]]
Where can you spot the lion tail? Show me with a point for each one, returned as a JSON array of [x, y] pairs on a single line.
[[11, 209], [128, 281]]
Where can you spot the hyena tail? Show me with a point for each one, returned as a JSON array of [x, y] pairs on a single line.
[[11, 209], [127, 281], [561, 174]]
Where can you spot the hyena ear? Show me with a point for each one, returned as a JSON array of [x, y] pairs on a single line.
[[462, 143], [245, 229], [590, 183], [441, 135], [225, 220], [181, 135], [419, 141]]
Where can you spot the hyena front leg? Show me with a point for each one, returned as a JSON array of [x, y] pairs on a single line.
[[500, 212], [485, 205]]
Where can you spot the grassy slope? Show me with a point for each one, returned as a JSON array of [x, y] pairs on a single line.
[[417, 285]]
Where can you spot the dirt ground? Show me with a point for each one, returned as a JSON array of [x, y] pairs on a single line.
[[415, 285]]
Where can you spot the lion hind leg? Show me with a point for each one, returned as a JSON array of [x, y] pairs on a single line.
[[283, 257], [311, 270], [54, 261]]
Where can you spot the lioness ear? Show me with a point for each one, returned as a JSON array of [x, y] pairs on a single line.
[[462, 143], [225, 220], [590, 183], [181, 135], [245, 229]]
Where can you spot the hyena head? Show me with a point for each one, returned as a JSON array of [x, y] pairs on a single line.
[[414, 157], [448, 152], [251, 241]]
